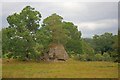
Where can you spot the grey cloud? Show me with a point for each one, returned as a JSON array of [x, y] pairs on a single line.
[[108, 26], [84, 12]]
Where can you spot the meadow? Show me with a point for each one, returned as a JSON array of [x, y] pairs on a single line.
[[68, 69]]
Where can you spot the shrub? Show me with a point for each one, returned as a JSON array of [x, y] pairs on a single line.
[[86, 57], [71, 53], [83, 57], [106, 57], [98, 57], [114, 56]]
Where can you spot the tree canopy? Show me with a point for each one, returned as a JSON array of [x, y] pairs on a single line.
[[104, 42], [55, 26], [18, 38]]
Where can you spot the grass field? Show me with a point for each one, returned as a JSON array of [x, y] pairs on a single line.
[[68, 69]]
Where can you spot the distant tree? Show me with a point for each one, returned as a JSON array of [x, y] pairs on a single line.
[[115, 48], [115, 43], [103, 43], [106, 44], [89, 41]]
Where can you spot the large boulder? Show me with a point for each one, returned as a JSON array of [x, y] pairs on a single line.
[[57, 52]]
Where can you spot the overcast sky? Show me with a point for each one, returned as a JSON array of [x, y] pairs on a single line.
[[90, 17]]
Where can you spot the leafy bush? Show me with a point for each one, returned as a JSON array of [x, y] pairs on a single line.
[[106, 57], [71, 53], [83, 57], [98, 57], [7, 55], [86, 57], [114, 56]]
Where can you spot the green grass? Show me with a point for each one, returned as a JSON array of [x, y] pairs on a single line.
[[68, 69]]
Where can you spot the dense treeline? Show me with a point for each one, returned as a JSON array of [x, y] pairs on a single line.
[[25, 38], [105, 46]]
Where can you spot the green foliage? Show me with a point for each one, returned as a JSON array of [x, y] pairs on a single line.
[[87, 49], [28, 18], [20, 46], [83, 57], [74, 46], [98, 57], [38, 49], [106, 42], [73, 38], [106, 57], [43, 37], [114, 55], [105, 46], [95, 57], [87, 52], [86, 57], [115, 52], [55, 27], [6, 39], [18, 38], [103, 43], [72, 31]]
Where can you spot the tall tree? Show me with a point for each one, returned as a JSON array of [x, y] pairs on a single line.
[[28, 18], [55, 26], [22, 28]]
